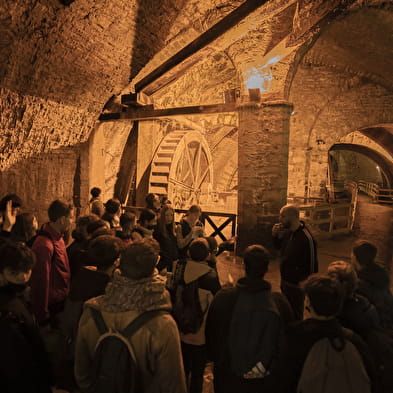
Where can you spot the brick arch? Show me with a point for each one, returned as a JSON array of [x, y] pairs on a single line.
[[383, 162]]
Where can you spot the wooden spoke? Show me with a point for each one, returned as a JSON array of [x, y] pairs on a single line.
[[180, 166]]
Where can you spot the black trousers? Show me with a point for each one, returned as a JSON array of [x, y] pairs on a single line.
[[295, 296], [194, 359]]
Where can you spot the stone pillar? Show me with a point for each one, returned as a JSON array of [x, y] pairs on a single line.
[[263, 169]]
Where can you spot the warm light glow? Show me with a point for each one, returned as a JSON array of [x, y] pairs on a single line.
[[273, 60], [261, 77], [258, 79]]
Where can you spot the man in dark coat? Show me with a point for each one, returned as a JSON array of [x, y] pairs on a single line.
[[243, 329], [298, 255], [374, 281]]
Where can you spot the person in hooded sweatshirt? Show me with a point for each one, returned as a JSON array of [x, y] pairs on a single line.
[[24, 364], [136, 289], [195, 270], [374, 281], [244, 329]]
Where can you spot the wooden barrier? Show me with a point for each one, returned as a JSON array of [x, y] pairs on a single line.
[[379, 195], [329, 219], [210, 218]]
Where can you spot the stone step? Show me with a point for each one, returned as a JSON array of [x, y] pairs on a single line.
[[158, 189]]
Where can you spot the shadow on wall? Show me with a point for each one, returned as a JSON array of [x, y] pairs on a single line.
[[153, 24], [44, 177]]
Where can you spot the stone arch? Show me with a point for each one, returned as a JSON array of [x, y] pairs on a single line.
[[333, 97], [384, 166]]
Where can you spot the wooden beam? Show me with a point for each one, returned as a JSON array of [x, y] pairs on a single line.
[[203, 40], [146, 114]]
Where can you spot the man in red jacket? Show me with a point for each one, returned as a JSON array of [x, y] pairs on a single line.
[[50, 279]]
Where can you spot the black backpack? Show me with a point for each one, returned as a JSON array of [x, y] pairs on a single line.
[[187, 309], [115, 368]]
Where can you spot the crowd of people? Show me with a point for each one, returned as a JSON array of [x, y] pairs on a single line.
[[134, 304]]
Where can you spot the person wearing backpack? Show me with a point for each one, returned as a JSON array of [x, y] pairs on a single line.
[[89, 282], [195, 286], [24, 364], [244, 329], [321, 356], [359, 315], [127, 341]]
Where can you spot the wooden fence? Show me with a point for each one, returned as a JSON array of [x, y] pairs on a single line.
[[222, 225], [378, 194]]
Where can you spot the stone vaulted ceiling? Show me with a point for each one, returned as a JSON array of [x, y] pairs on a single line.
[[60, 64], [361, 44]]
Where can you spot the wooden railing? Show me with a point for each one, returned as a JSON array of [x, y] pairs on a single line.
[[218, 228], [326, 219], [209, 219], [329, 219], [378, 194]]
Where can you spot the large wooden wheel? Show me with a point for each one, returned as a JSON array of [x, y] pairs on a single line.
[[182, 168]]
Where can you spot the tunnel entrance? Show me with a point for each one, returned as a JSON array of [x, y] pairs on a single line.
[[352, 162]]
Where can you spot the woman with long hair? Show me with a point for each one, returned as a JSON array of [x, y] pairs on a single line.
[[165, 234]]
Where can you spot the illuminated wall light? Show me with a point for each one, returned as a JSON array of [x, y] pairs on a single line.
[[261, 77], [257, 79]]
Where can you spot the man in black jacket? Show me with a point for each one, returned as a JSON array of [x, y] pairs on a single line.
[[243, 329], [298, 256]]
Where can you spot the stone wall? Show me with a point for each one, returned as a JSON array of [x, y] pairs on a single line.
[[328, 106], [43, 178], [358, 138]]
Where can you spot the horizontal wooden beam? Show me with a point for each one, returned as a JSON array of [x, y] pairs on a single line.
[[203, 40], [146, 114]]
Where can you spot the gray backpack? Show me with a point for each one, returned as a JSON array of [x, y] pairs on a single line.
[[334, 365]]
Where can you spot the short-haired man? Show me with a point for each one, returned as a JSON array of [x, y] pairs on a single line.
[[323, 301], [243, 328], [23, 361], [90, 281], [77, 249], [298, 255], [138, 288], [153, 202], [374, 281], [96, 205], [50, 279], [112, 212]]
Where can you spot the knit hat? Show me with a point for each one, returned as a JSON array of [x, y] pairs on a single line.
[[139, 259]]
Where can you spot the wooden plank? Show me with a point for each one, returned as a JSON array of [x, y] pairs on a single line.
[[203, 40], [133, 114]]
